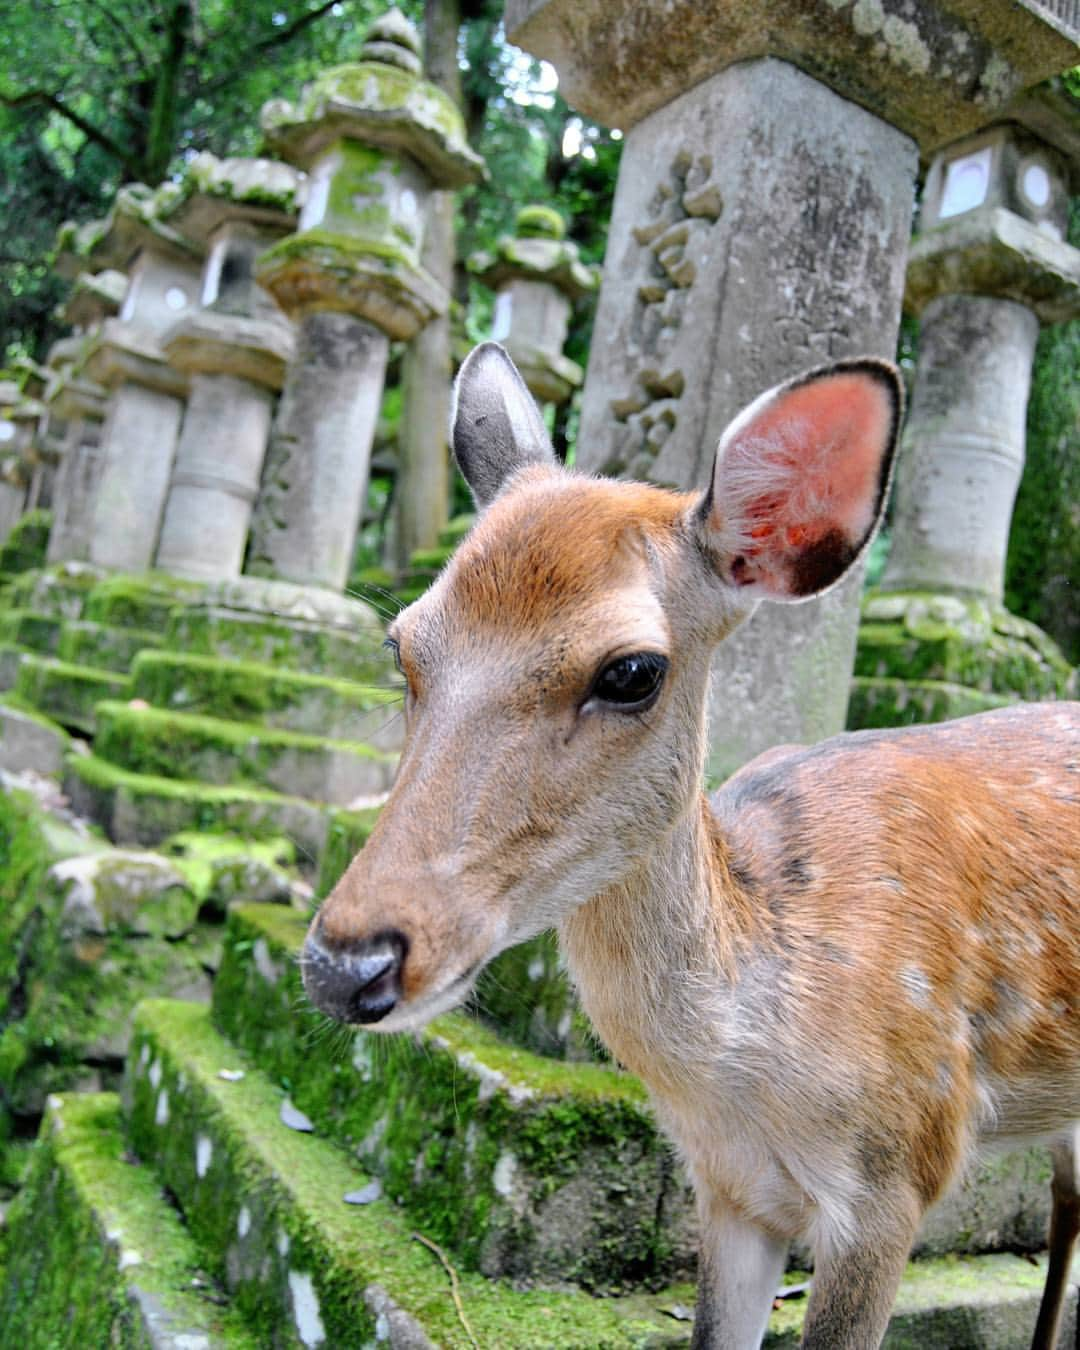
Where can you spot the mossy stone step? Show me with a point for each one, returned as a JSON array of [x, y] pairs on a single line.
[[142, 601], [887, 702], [523, 1166], [60, 590], [11, 659], [246, 691], [24, 548], [30, 740], [96, 1255], [31, 630], [104, 646], [65, 692], [138, 808], [266, 1204], [215, 750], [288, 643]]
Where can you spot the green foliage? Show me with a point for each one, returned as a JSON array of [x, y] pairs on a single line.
[[1042, 579]]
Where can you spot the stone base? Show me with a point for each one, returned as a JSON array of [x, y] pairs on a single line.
[[917, 636], [887, 702], [281, 624]]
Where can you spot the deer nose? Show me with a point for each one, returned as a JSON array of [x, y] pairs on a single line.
[[356, 982]]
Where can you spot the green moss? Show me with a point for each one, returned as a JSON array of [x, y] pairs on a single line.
[[94, 644], [73, 1236], [25, 628], [66, 692], [145, 809], [215, 750], [234, 635], [201, 856], [880, 702], [26, 543], [540, 222], [60, 590], [291, 1187], [524, 1166], [142, 601], [346, 835]]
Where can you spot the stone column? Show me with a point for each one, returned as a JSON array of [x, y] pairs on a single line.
[[235, 351], [988, 265], [537, 276], [146, 399], [760, 222], [14, 476], [76, 412], [374, 138]]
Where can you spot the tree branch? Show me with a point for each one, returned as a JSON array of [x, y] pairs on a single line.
[[278, 39], [91, 132]]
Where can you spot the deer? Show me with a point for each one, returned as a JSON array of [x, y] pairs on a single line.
[[840, 975]]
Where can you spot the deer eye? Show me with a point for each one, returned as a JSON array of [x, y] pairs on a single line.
[[392, 647], [631, 683]]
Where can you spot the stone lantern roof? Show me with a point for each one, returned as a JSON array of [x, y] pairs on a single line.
[[214, 191], [537, 251], [383, 101], [94, 296], [135, 222]]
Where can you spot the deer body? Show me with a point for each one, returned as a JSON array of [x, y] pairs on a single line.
[[837, 977]]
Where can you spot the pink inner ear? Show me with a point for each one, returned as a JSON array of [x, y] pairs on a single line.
[[798, 483]]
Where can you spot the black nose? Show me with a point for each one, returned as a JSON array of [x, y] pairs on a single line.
[[360, 982]]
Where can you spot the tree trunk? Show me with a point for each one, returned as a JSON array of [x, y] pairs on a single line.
[[423, 482], [161, 135]]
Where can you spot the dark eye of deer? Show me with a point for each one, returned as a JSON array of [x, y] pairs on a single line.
[[631, 683]]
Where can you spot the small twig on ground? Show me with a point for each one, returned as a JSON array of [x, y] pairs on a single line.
[[455, 1290]]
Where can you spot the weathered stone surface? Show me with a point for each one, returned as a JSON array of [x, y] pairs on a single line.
[[144, 601], [95, 296], [790, 182], [212, 750], [31, 742], [962, 640], [122, 892], [246, 347], [96, 1254], [143, 809], [215, 191], [935, 70], [994, 252], [294, 701], [304, 526], [96, 644], [963, 447], [888, 701], [65, 692]]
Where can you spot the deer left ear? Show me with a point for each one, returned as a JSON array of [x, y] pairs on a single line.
[[800, 480]]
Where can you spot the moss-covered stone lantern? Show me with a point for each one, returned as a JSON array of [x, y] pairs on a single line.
[[537, 275], [14, 473], [374, 139], [987, 267], [235, 350]]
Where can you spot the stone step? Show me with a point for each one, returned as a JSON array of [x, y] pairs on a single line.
[[65, 692], [266, 1204], [60, 590], [143, 601], [887, 702], [11, 659], [245, 691], [29, 740], [214, 750], [96, 1254], [31, 630], [525, 1167], [136, 808], [24, 547], [103, 646]]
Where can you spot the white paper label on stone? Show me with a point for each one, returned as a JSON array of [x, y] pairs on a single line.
[[967, 181], [176, 298], [1035, 184], [500, 319], [211, 286], [318, 196]]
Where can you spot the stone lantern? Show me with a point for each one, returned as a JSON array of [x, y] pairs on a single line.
[[14, 475], [761, 216], [146, 395], [235, 350], [374, 138], [987, 267], [76, 411], [537, 275]]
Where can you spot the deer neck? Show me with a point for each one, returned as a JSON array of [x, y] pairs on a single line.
[[644, 952]]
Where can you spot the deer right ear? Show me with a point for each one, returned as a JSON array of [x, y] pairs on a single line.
[[495, 427]]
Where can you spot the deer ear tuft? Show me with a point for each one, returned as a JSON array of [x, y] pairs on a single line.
[[801, 478], [495, 426]]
